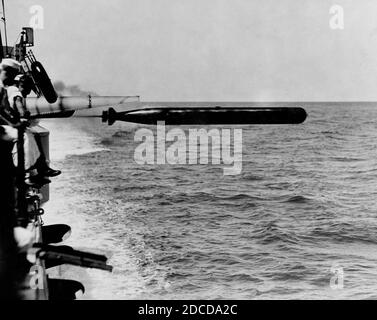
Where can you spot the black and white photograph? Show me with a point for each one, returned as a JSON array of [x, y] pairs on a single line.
[[186, 150]]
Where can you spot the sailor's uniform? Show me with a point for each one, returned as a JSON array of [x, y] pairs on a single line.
[[30, 146]]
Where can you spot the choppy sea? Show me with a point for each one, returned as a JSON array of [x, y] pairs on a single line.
[[299, 222]]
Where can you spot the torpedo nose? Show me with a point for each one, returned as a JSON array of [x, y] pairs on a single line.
[[299, 114]]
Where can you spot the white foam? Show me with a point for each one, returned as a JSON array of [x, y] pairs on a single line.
[[66, 138]]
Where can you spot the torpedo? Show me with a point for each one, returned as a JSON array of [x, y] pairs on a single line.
[[208, 116]]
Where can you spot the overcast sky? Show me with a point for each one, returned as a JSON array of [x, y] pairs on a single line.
[[197, 50]]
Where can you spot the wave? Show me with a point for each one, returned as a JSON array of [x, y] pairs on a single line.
[[272, 233], [252, 177], [297, 199], [344, 233]]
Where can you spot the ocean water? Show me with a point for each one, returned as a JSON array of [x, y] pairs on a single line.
[[302, 212]]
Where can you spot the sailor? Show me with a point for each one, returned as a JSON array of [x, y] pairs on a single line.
[[12, 110], [25, 84]]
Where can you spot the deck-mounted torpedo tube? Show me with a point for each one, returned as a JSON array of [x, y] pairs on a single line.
[[67, 105]]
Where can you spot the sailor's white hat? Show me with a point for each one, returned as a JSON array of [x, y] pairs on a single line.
[[11, 63]]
